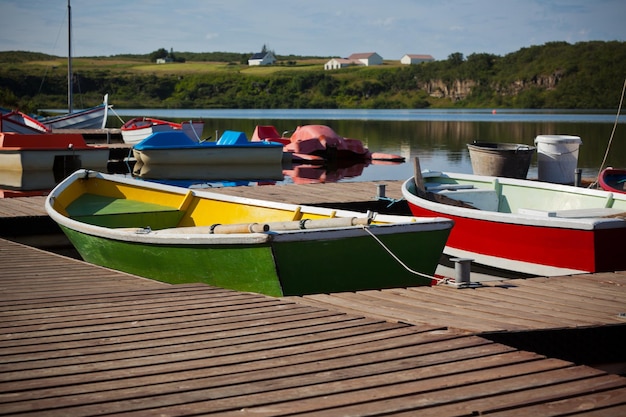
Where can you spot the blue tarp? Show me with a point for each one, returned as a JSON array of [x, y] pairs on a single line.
[[177, 139]]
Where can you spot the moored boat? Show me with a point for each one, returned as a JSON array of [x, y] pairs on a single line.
[[613, 179], [174, 147], [180, 235], [321, 143], [91, 118], [42, 152], [137, 129], [524, 226], [17, 122]]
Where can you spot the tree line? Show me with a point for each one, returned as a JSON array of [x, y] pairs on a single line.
[[586, 75]]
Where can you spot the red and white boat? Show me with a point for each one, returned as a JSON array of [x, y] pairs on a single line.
[[525, 226], [17, 122], [319, 143], [139, 128], [613, 179]]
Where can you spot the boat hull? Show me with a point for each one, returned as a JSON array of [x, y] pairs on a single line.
[[136, 130], [535, 244], [274, 268], [165, 150], [255, 153], [18, 122], [612, 179], [181, 245], [46, 160], [45, 152], [210, 172], [93, 118]]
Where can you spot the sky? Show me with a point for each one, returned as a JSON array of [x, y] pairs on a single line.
[[325, 28]]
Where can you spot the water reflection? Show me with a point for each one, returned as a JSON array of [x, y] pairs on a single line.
[[311, 174], [440, 142], [443, 144]]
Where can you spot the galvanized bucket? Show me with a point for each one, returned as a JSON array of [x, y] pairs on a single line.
[[510, 160]]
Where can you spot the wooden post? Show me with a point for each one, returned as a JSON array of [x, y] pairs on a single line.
[[417, 177]]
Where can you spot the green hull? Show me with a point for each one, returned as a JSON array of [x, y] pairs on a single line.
[[276, 268]]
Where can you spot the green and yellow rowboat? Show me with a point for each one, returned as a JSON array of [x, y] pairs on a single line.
[[180, 235]]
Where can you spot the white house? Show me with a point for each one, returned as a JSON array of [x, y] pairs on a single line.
[[262, 58], [410, 59], [338, 63], [367, 58]]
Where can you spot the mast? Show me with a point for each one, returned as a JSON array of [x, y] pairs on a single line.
[[69, 58]]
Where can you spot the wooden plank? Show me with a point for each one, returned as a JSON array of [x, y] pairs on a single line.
[[77, 339], [474, 310], [249, 375], [387, 393], [22, 206], [490, 300], [536, 303]]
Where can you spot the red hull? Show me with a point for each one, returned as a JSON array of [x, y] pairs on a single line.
[[584, 250]]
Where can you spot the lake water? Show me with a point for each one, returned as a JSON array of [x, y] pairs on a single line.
[[438, 137]]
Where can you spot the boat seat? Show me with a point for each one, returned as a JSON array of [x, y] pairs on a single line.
[[574, 213], [230, 137], [434, 187], [119, 212]]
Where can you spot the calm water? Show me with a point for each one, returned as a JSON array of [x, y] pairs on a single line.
[[438, 137]]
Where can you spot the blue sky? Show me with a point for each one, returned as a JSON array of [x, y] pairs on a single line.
[[334, 28]]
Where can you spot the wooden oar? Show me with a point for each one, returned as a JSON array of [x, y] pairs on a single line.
[[320, 223], [305, 224], [240, 228], [420, 189]]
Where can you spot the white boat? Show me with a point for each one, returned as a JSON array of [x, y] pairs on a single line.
[[139, 128], [91, 118], [17, 122]]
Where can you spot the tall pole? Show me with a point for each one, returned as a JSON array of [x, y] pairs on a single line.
[[69, 58]]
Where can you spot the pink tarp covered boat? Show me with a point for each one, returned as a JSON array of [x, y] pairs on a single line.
[[319, 143]]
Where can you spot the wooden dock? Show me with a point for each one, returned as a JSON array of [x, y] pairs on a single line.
[[77, 339]]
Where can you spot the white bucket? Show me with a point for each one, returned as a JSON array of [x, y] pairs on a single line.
[[557, 158]]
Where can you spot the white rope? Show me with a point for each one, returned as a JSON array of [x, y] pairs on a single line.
[[193, 129], [439, 280], [118, 116], [606, 154]]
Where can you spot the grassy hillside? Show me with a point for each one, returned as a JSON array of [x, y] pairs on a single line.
[[586, 75]]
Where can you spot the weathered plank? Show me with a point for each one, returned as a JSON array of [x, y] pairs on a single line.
[[77, 339]]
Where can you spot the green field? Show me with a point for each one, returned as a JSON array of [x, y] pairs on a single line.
[[587, 75]]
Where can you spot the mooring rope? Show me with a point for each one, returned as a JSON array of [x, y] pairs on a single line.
[[393, 255], [391, 201], [118, 116]]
